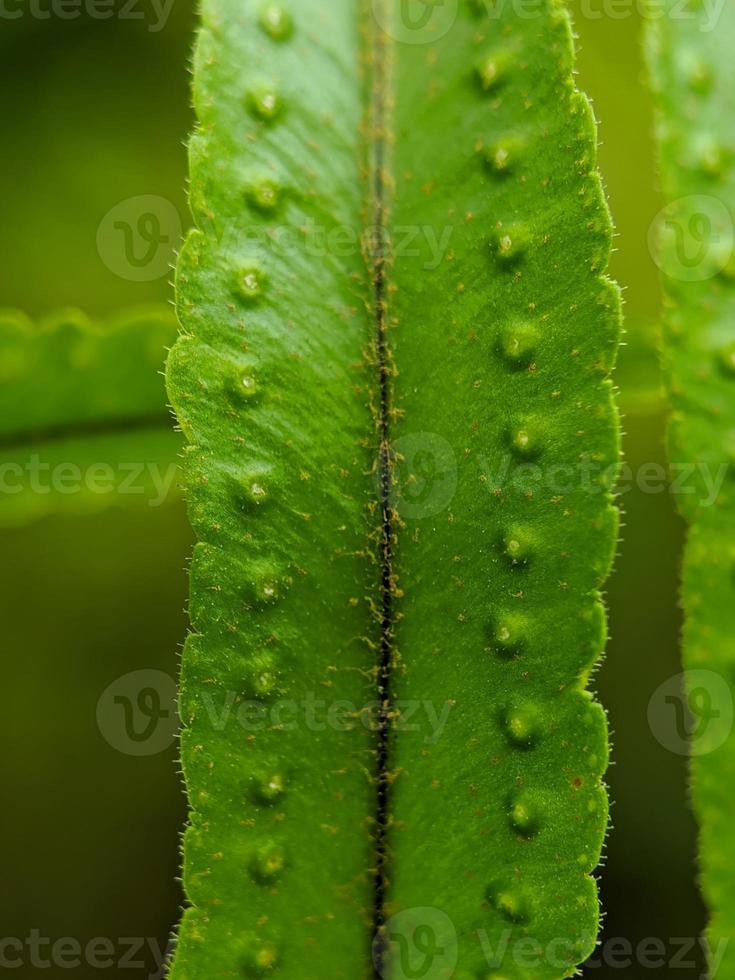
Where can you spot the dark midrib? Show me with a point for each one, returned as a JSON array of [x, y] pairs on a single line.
[[380, 249], [83, 430]]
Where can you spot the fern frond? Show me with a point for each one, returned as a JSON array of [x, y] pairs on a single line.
[[693, 71], [394, 379], [83, 418]]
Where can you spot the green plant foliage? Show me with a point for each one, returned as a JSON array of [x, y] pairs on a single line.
[[401, 481], [502, 618], [83, 419], [694, 78]]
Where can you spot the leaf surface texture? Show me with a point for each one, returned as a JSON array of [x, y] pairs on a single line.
[[393, 377]]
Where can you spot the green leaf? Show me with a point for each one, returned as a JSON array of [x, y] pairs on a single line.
[[694, 78], [393, 377], [83, 420]]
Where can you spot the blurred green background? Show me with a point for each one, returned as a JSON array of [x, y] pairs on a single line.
[[96, 113]]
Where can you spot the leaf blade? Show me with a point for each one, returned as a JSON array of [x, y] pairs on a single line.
[[694, 80], [83, 417], [502, 620], [270, 387], [228, 337]]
